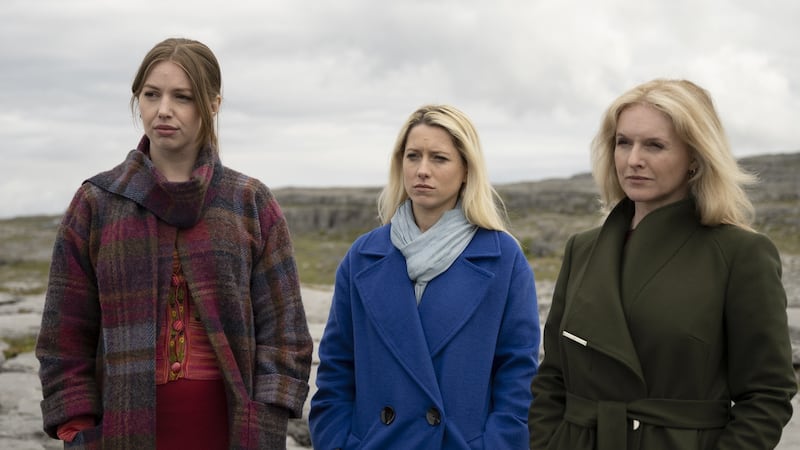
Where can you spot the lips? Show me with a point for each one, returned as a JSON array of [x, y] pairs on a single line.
[[165, 130]]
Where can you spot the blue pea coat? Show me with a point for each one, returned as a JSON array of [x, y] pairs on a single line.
[[451, 373]]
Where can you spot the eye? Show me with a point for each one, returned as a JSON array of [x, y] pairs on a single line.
[[656, 145], [149, 94], [184, 97], [622, 140], [411, 155]]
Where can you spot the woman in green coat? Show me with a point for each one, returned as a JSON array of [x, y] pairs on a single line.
[[668, 325]]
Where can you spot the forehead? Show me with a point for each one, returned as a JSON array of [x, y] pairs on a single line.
[[429, 135], [168, 73], [644, 119]]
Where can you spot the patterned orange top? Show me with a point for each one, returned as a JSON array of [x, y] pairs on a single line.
[[183, 349]]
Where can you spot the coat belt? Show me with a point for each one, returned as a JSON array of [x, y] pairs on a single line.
[[611, 418]]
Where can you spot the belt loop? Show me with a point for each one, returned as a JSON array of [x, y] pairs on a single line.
[[612, 426]]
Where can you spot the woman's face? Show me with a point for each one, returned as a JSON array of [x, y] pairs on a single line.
[[652, 162], [433, 172], [169, 112]]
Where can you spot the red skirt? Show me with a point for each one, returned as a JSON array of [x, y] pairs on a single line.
[[191, 414]]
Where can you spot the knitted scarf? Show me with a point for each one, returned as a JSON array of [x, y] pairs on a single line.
[[430, 253]]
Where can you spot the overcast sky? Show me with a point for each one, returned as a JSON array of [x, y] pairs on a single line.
[[314, 92]]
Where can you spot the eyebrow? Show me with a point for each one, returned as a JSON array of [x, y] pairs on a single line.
[[180, 89], [649, 138]]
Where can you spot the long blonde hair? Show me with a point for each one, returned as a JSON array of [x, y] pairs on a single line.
[[718, 183], [481, 203]]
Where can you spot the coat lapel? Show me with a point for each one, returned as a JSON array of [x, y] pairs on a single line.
[[388, 298], [659, 236], [451, 299], [594, 311], [416, 334]]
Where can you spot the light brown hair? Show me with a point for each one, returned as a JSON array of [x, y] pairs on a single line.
[[202, 68]]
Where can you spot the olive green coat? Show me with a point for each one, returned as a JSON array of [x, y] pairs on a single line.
[[648, 343]]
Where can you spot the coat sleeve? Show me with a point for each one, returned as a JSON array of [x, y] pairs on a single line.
[[283, 342], [330, 419], [549, 391], [67, 343], [760, 374], [515, 362]]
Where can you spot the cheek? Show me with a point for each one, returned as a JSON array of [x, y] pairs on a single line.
[[619, 167], [145, 112], [462, 176], [408, 175], [619, 160]]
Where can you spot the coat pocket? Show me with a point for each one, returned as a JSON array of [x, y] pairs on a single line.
[[266, 425]]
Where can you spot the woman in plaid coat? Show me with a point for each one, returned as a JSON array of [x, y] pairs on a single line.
[[173, 314]]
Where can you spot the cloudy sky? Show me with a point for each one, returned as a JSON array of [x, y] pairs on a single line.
[[315, 91]]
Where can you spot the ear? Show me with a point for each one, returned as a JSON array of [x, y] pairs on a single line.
[[215, 104]]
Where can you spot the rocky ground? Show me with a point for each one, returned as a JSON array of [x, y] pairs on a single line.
[[20, 392]]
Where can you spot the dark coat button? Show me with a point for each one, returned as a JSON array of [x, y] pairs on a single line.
[[387, 415], [434, 417]]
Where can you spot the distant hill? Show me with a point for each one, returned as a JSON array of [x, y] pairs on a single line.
[[324, 221], [533, 205]]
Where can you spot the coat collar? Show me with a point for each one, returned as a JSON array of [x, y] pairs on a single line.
[[179, 204], [415, 335], [594, 312], [659, 235]]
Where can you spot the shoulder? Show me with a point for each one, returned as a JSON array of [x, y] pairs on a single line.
[[243, 193], [584, 240], [233, 179], [492, 241], [376, 241], [734, 242]]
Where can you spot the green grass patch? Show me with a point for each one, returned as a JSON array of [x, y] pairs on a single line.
[[787, 241], [318, 257], [546, 268], [18, 345], [24, 277]]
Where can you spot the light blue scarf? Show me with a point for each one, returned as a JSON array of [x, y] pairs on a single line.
[[430, 253]]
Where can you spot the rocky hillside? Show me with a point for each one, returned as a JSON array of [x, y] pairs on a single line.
[[324, 221], [544, 213]]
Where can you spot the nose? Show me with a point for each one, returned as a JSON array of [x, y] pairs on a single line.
[[635, 157], [165, 107], [423, 170]]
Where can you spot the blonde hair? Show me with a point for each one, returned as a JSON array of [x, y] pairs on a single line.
[[481, 204], [718, 182], [202, 68]]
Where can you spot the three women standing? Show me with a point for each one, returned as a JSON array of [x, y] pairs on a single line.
[[173, 316]]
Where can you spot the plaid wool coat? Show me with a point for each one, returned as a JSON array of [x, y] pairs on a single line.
[[108, 283]]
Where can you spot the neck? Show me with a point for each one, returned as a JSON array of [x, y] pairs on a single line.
[[176, 167]]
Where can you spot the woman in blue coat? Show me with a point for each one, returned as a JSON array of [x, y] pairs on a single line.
[[433, 335]]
